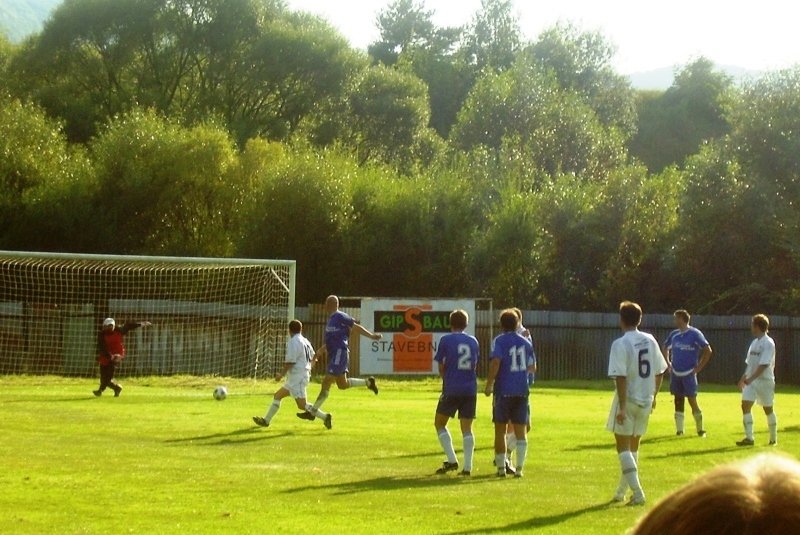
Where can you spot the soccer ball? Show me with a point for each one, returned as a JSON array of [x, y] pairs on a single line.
[[220, 393]]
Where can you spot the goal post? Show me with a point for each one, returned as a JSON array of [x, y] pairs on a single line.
[[210, 316]]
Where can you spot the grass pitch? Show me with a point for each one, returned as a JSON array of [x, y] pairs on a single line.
[[165, 457]]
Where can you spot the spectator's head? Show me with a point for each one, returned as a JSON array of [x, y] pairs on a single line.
[[754, 497]]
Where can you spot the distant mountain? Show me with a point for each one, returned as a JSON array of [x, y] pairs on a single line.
[[662, 78], [21, 18]]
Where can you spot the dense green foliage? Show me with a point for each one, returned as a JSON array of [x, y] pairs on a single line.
[[445, 162]]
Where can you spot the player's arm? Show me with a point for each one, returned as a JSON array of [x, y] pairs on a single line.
[[659, 381], [761, 367], [494, 367], [705, 356], [622, 396], [441, 369], [359, 329], [286, 367], [101, 346], [128, 327], [667, 352], [323, 350]]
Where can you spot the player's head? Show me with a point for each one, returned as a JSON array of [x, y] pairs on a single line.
[[681, 318], [760, 495], [295, 326], [109, 324], [759, 324], [331, 304], [630, 314], [518, 312], [509, 320], [458, 320]]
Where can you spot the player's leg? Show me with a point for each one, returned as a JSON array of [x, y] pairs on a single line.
[[343, 382], [748, 399], [511, 442], [444, 411], [766, 398], [697, 414], [466, 414], [273, 407], [676, 389], [772, 423], [626, 439], [519, 417], [500, 418], [106, 375]]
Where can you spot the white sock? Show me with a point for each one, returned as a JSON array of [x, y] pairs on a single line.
[[273, 408], [318, 413], [747, 420], [522, 452], [499, 461], [447, 445], [323, 395], [679, 417], [772, 422], [511, 444], [355, 381], [469, 450], [622, 488], [630, 470], [698, 419]]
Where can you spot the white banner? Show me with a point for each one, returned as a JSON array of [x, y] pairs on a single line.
[[411, 330]]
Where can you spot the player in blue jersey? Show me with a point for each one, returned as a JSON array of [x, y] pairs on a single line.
[[457, 356], [510, 362], [337, 333], [687, 352]]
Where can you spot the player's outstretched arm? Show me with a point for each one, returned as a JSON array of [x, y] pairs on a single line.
[[359, 329]]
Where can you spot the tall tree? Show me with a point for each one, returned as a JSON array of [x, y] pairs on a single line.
[[494, 38]]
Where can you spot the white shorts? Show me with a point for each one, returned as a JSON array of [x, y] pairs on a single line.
[[296, 385], [760, 391], [636, 418]]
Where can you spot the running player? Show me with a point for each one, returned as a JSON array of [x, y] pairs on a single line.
[[457, 356], [511, 360], [637, 366], [297, 371], [687, 352], [337, 334]]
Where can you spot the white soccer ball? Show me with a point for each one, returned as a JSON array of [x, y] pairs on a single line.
[[220, 393]]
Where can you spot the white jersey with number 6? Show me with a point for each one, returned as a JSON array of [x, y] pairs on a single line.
[[637, 356]]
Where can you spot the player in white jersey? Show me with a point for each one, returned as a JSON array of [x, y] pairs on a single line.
[[297, 371], [758, 381], [637, 366]]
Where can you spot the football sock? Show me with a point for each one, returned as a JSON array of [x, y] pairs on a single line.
[[630, 470], [772, 422], [747, 419], [469, 449], [500, 462], [273, 408], [622, 488], [355, 381], [323, 395], [679, 417], [447, 445], [319, 414], [698, 419], [522, 452], [511, 444]]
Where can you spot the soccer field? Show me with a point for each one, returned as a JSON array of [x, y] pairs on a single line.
[[165, 457]]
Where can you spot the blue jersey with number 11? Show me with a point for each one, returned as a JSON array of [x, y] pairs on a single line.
[[459, 353], [516, 355]]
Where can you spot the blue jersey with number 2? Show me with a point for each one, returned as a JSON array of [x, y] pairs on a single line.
[[515, 354], [459, 353]]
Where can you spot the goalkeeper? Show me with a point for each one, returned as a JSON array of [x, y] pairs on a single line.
[[111, 351]]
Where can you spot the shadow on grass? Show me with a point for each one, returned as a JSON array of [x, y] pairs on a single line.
[[251, 434], [390, 483], [434, 453], [539, 521]]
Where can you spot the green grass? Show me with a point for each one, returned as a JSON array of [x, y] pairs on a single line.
[[166, 457]]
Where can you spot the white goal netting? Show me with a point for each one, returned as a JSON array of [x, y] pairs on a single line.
[[224, 317]]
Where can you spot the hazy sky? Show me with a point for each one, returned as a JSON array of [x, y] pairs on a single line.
[[761, 35]]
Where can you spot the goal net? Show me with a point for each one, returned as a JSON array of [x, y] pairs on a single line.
[[226, 317]]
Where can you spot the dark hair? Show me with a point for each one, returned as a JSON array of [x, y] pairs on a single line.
[[630, 313], [509, 320], [459, 319], [681, 313], [761, 321], [295, 326]]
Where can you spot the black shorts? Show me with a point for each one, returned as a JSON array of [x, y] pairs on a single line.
[[511, 408], [465, 405]]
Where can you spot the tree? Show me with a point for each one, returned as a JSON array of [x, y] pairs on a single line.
[[403, 25], [494, 39], [581, 62], [674, 125]]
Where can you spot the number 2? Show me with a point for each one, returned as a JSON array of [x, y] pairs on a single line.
[[464, 357]]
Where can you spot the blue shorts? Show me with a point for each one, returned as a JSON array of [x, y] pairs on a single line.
[[683, 386], [337, 365], [465, 405], [510, 408]]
